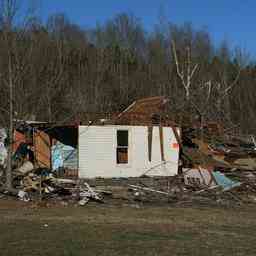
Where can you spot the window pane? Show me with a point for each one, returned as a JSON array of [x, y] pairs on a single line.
[[122, 138], [122, 155]]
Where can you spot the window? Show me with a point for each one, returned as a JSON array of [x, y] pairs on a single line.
[[122, 146]]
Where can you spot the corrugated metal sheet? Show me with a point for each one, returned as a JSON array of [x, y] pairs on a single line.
[[97, 152]]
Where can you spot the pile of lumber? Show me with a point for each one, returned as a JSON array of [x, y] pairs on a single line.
[[41, 184]]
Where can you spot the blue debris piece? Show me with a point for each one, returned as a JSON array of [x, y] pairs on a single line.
[[64, 156], [224, 181]]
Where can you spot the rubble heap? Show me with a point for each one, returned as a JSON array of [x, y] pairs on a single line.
[[216, 168]]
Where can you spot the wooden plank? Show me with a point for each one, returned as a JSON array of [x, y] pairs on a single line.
[[42, 149], [150, 137], [161, 136]]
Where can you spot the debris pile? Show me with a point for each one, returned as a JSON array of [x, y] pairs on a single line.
[[213, 148], [187, 189], [41, 184], [216, 168]]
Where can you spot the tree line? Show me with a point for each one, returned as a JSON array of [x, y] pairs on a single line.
[[59, 70]]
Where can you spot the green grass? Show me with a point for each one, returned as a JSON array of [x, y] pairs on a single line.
[[106, 230]]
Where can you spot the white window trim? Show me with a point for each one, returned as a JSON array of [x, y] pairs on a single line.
[[128, 165]]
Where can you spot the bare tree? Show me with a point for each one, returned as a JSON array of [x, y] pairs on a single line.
[[186, 72], [8, 11], [15, 70]]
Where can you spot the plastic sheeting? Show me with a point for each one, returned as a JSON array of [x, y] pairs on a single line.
[[64, 156], [3, 150], [224, 181], [57, 160]]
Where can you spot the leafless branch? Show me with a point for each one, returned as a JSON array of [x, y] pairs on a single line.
[[231, 86], [186, 81]]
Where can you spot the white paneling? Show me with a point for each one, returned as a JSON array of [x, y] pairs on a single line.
[[97, 152]]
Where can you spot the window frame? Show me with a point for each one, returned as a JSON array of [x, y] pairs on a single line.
[[125, 147]]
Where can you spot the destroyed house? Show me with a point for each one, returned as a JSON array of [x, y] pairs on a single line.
[[127, 151], [46, 146], [138, 141]]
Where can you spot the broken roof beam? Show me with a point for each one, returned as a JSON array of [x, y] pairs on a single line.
[[143, 110]]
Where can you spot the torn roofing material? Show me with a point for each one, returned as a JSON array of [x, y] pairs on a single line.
[[143, 110]]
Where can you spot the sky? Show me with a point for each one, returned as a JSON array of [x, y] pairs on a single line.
[[230, 20]]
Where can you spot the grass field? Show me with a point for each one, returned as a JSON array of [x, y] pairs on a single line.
[[125, 230]]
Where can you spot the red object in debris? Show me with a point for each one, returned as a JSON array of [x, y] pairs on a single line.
[[18, 139], [175, 145]]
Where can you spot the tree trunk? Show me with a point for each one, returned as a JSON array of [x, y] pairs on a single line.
[[9, 159]]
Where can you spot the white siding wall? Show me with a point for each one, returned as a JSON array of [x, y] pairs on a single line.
[[97, 152]]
